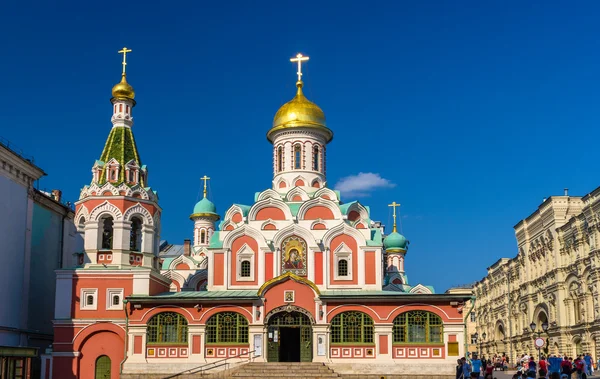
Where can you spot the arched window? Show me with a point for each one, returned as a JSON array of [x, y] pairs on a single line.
[[227, 327], [107, 232], [316, 158], [418, 327], [116, 300], [245, 269], [202, 236], [81, 222], [167, 327], [342, 267], [135, 235], [279, 159], [89, 300], [297, 157], [351, 327], [102, 369]]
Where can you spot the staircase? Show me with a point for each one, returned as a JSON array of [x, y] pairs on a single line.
[[284, 370]]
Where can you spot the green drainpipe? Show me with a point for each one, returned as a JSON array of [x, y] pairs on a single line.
[[466, 318], [126, 337]]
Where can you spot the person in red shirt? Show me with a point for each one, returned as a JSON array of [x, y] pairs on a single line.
[[543, 364], [566, 367]]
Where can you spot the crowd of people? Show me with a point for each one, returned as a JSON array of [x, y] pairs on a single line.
[[552, 367]]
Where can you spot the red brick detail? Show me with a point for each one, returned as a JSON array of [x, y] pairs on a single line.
[[318, 267], [353, 216], [218, 269], [319, 226], [297, 198], [229, 227], [270, 213], [316, 184], [137, 345], [326, 197], [317, 212], [237, 217], [182, 266], [196, 345], [299, 183], [282, 184], [268, 266], [383, 344], [269, 227], [360, 226], [452, 338], [370, 267]]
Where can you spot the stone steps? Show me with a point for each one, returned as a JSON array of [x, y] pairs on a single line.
[[284, 370]]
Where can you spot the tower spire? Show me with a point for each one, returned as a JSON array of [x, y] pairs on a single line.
[[205, 179], [394, 205]]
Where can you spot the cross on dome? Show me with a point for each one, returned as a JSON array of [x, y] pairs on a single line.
[[205, 179], [394, 205], [299, 58], [124, 51]]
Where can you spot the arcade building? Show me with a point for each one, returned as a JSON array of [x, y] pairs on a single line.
[[297, 276]]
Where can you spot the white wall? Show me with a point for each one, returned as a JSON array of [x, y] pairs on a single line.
[[13, 229]]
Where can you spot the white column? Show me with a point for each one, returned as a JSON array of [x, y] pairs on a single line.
[[383, 330]]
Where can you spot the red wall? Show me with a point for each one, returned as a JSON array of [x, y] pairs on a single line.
[[219, 268], [303, 296], [268, 266], [370, 267], [318, 267]]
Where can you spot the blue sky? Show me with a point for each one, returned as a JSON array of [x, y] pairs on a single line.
[[470, 112]]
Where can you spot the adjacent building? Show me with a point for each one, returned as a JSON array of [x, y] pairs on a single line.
[[37, 236], [551, 286]]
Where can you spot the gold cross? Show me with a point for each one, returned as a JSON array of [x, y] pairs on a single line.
[[124, 51], [394, 204], [299, 58], [205, 178]]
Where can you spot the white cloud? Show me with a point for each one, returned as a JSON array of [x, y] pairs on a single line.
[[362, 184]]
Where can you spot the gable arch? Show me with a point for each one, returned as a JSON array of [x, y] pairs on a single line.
[[82, 212], [108, 187], [235, 208], [138, 209], [268, 194], [182, 259], [270, 203], [244, 230], [106, 208], [297, 191], [420, 289], [269, 225], [295, 230], [299, 181], [175, 276], [326, 191], [319, 202], [197, 278], [344, 229]]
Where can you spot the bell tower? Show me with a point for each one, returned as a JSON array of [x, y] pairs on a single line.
[[299, 136], [118, 214]]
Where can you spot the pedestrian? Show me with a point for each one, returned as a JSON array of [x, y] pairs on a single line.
[[459, 369], [476, 365], [589, 363]]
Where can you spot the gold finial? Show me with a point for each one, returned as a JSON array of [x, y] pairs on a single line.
[[299, 58], [124, 51], [205, 178], [394, 204]]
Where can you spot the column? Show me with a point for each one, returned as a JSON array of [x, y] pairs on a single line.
[[320, 343], [383, 342]]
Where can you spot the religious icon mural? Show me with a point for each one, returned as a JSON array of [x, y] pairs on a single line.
[[293, 257]]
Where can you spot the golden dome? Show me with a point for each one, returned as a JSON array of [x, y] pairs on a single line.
[[123, 90], [299, 113]]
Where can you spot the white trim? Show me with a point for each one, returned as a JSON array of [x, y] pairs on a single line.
[[85, 292], [110, 293], [342, 252], [245, 254]]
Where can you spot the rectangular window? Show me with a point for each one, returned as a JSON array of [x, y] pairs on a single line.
[[472, 317], [114, 299]]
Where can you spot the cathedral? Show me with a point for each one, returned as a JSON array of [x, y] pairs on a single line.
[[296, 276]]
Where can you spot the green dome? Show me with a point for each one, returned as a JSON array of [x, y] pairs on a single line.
[[395, 241], [205, 207]]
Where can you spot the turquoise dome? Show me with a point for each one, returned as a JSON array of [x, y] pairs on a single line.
[[205, 206], [395, 241]]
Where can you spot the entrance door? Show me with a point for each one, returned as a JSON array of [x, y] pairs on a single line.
[[289, 346], [289, 337], [102, 367]]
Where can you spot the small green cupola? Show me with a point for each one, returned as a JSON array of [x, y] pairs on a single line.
[[205, 208], [395, 242]]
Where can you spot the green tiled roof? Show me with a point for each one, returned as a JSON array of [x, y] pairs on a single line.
[[245, 208], [166, 263], [376, 238], [344, 207], [215, 241], [121, 146], [197, 295], [294, 208]]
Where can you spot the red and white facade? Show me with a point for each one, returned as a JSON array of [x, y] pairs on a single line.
[[297, 252]]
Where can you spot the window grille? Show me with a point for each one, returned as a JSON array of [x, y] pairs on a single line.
[[107, 232], [316, 158], [167, 327], [418, 327], [103, 369], [297, 157], [135, 236], [342, 267], [351, 327], [116, 300], [279, 159], [245, 269], [227, 327], [89, 300]]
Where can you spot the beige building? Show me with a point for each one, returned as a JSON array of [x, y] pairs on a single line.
[[552, 282], [469, 316]]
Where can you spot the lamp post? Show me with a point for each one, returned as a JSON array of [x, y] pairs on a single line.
[[476, 337], [533, 327]]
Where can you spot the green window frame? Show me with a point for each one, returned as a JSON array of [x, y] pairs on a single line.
[[167, 328], [418, 327], [227, 328], [352, 328]]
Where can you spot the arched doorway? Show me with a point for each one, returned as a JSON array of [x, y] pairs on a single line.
[[289, 336], [578, 346], [102, 370]]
